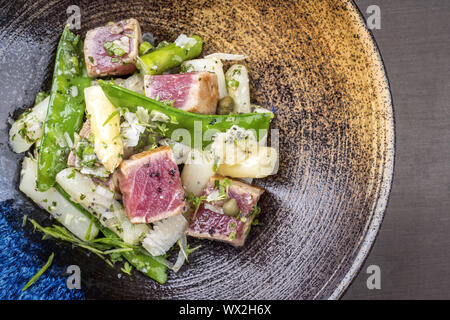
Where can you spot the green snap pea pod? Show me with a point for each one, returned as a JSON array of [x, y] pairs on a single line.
[[66, 108], [146, 264], [169, 56], [145, 47], [196, 124]]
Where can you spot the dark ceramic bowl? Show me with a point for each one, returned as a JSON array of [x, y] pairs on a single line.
[[317, 65]]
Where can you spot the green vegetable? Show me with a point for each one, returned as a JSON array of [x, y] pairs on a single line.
[[61, 233], [168, 56], [113, 49], [223, 186], [85, 152], [40, 97], [193, 122], [232, 83], [188, 250], [162, 44], [127, 268], [147, 264], [195, 201], [39, 273], [138, 257], [66, 109], [145, 47]]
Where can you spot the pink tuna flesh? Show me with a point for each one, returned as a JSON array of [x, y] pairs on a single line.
[[210, 223], [151, 186], [101, 63], [193, 92]]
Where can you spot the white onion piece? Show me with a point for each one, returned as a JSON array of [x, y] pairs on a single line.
[[182, 255], [164, 235]]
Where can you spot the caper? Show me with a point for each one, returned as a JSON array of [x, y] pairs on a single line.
[[226, 105], [230, 208]]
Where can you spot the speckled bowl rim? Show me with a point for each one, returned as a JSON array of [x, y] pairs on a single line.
[[386, 185]]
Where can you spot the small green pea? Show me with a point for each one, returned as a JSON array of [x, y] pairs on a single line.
[[226, 105], [230, 208]]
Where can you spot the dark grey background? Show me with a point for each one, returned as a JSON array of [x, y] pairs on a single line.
[[413, 246]]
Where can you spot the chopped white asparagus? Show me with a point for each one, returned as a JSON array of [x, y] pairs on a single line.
[[258, 165], [28, 127], [235, 153], [164, 235], [233, 146], [100, 202], [209, 65], [108, 144], [52, 201], [237, 82]]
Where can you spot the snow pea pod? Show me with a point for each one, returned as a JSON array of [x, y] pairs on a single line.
[[169, 56], [197, 125], [66, 108]]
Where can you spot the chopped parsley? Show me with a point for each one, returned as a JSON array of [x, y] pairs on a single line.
[[231, 83], [113, 49], [71, 175]]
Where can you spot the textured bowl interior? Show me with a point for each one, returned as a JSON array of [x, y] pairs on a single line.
[[317, 66]]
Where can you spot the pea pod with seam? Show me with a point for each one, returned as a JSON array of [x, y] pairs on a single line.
[[66, 108], [196, 124]]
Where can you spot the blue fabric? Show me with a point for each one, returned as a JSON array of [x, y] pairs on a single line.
[[21, 257]]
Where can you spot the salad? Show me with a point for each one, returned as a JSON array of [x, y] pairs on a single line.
[[138, 146]]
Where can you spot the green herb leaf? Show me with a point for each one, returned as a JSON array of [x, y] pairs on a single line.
[[231, 83], [112, 115], [113, 49], [71, 175], [195, 201], [127, 268], [39, 273]]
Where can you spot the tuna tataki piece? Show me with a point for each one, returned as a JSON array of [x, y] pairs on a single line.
[[113, 49], [193, 92], [151, 186], [211, 222]]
